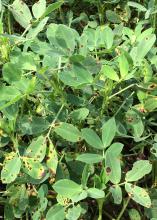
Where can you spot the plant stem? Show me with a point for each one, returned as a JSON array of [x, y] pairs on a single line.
[[123, 209], [122, 90], [108, 215], [123, 103], [53, 122], [154, 17], [100, 206]]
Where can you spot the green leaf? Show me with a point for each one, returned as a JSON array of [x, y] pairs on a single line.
[[8, 93], [123, 65], [134, 122], [134, 214], [152, 211], [150, 104], [18, 195], [33, 168], [0, 5], [65, 37], [144, 47], [139, 170], [116, 193], [11, 72], [68, 132], [76, 76], [32, 125], [39, 8], [11, 168], [25, 61], [85, 174], [95, 193], [52, 158], [52, 7], [67, 188], [92, 138], [113, 17], [74, 213], [79, 114], [21, 13], [90, 158], [148, 71], [108, 132], [153, 150], [37, 149], [137, 6], [138, 194], [108, 37], [112, 162], [110, 73], [79, 196], [33, 32], [56, 212]]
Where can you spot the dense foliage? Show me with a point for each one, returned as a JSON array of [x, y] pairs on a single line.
[[78, 101]]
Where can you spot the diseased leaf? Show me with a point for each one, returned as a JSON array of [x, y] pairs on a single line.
[[21, 13], [112, 162], [138, 194], [33, 168], [37, 149], [11, 168], [139, 170], [52, 158]]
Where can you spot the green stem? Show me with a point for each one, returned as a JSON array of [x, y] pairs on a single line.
[[123, 103], [100, 206], [154, 17], [123, 209], [26, 30], [101, 8], [108, 215], [122, 90], [9, 22], [53, 122], [154, 173]]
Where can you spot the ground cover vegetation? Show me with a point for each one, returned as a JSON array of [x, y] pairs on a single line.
[[78, 101]]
